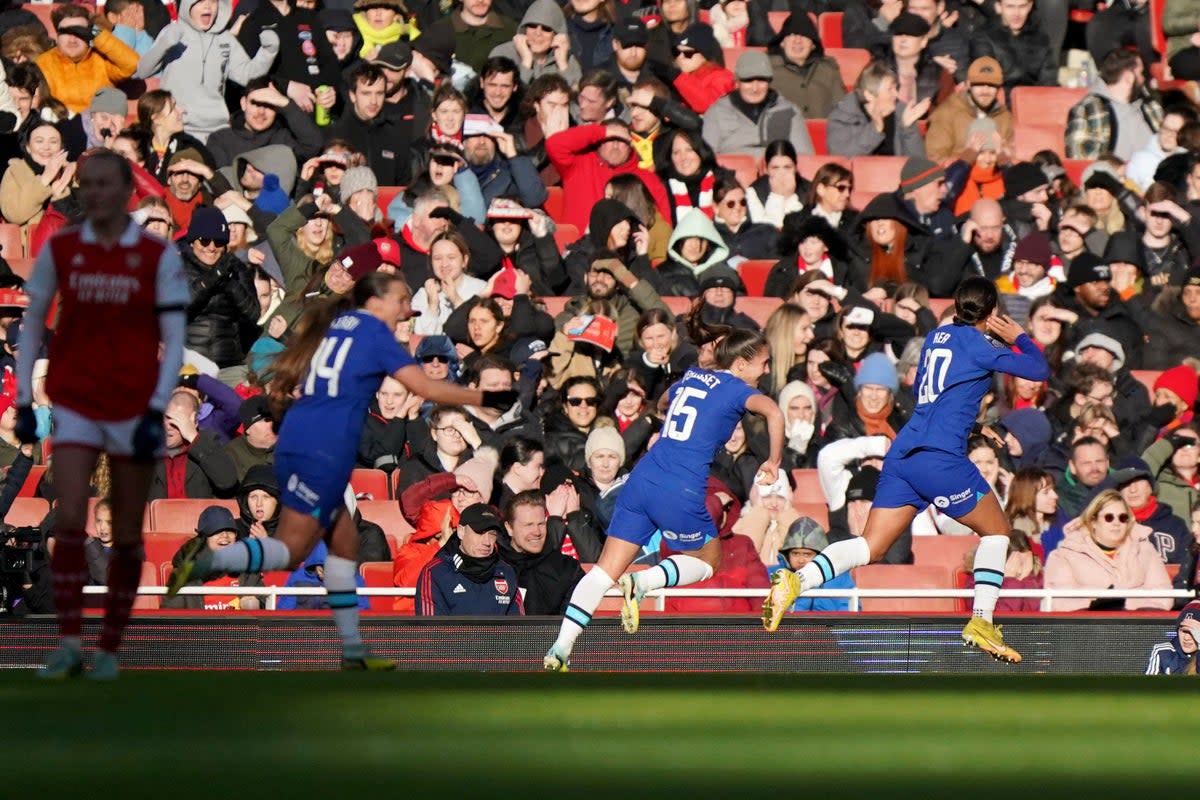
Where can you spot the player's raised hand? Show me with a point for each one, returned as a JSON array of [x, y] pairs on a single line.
[[1004, 328], [768, 473]]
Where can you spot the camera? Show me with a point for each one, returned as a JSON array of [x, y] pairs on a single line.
[[23, 551]]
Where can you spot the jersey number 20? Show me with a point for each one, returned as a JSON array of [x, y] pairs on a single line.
[[933, 378], [321, 366], [681, 417]]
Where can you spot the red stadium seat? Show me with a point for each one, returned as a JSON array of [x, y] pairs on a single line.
[[754, 274], [938, 305], [1146, 377], [758, 308], [808, 165], [816, 132], [905, 576], [31, 482], [876, 174], [1172, 570], [1075, 167], [777, 18], [144, 601], [943, 551], [1158, 39], [386, 514], [182, 515], [378, 575], [829, 28], [27, 512], [554, 202], [746, 167], [10, 241], [808, 485], [161, 547], [1045, 106], [1029, 139], [819, 511], [384, 196], [373, 482], [850, 61], [555, 305], [564, 236], [677, 305]]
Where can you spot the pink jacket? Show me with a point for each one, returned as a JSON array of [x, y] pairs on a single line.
[[1079, 563]]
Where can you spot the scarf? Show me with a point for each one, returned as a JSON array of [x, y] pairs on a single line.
[[476, 570], [177, 475], [373, 38], [436, 135], [681, 194], [644, 147], [1147, 511], [876, 424], [980, 183], [824, 266], [407, 235]]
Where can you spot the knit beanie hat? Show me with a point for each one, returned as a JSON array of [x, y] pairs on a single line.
[[1023, 177], [481, 470], [356, 180], [605, 438], [1034, 248], [272, 199], [1182, 381], [877, 370]]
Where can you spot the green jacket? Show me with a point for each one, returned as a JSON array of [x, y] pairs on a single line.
[[1179, 23], [1169, 488]]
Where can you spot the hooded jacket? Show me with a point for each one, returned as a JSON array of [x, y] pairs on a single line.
[[305, 576], [937, 264], [1168, 658], [679, 277], [1079, 563], [196, 64], [548, 14], [259, 477], [603, 217]]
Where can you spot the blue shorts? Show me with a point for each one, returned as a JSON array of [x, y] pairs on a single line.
[[645, 507], [950, 482], [311, 485]]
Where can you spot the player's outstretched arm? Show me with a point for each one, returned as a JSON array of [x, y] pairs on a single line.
[[417, 382], [766, 408]]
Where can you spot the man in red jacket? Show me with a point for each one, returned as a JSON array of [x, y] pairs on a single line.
[[697, 77], [587, 156]]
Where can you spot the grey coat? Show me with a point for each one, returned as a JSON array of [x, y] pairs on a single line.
[[851, 133], [728, 130]]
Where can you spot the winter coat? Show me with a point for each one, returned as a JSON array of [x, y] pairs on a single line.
[[292, 129], [444, 591], [473, 43], [565, 443], [260, 477], [209, 471], [107, 63], [573, 153], [937, 264], [704, 86], [538, 257], [949, 121], [246, 456], [195, 65], [179, 141], [728, 128], [1115, 320], [385, 442], [814, 87], [783, 276], [305, 54], [627, 305], [850, 132], [695, 223], [751, 240], [23, 196], [1170, 489], [224, 304], [384, 140], [548, 577], [514, 177], [305, 576], [1079, 563], [1025, 58], [548, 14], [1170, 335], [1092, 128]]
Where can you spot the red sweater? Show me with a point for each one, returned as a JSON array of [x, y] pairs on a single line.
[[573, 153]]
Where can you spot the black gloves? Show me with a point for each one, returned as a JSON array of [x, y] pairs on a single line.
[[500, 400], [448, 214], [26, 428], [148, 436], [837, 373], [1161, 415]]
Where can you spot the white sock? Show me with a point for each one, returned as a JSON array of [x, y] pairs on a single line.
[[587, 595], [834, 560], [343, 598], [678, 570], [989, 574], [249, 555]]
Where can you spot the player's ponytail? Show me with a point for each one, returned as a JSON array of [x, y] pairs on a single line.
[[699, 331], [974, 300], [290, 366], [740, 343]]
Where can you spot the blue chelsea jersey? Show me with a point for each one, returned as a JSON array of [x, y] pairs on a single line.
[[953, 375], [705, 407], [350, 363]]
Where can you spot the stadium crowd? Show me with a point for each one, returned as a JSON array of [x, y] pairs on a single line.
[[558, 183]]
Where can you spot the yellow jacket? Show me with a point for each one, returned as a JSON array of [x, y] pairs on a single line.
[[107, 63]]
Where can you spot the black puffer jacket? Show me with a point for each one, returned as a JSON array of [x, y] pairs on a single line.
[[548, 577], [1170, 334], [261, 477], [224, 309], [564, 442]]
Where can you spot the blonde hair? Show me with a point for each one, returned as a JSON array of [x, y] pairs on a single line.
[[322, 253], [1092, 511], [780, 332]]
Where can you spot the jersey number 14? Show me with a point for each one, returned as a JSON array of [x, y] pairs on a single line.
[[681, 417], [933, 374], [327, 364]]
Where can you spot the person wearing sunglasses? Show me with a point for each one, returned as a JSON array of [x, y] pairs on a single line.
[[541, 46], [829, 197], [568, 426], [1105, 547], [745, 239]]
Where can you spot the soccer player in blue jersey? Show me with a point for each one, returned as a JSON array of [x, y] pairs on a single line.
[[927, 463], [666, 489], [340, 354]]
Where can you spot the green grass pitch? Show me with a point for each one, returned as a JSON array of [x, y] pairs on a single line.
[[176, 735]]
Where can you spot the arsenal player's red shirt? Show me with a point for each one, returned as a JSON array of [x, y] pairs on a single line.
[[104, 357]]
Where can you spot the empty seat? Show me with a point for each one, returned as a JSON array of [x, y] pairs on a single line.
[[373, 482], [776, 19], [1045, 106], [817, 510], [758, 308], [555, 305], [905, 576], [161, 548], [27, 512], [149, 577], [1028, 140], [850, 61], [808, 485], [554, 202], [938, 305], [182, 515], [564, 236], [10, 241], [731, 54], [1075, 167], [32, 480], [816, 132], [829, 28], [1146, 377], [744, 166], [21, 267], [378, 575], [808, 165], [753, 273], [386, 514], [876, 174], [677, 305], [943, 551]]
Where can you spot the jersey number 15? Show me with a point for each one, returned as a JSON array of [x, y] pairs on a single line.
[[933, 374], [327, 365], [681, 417]]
